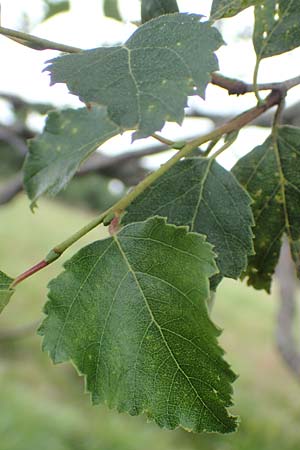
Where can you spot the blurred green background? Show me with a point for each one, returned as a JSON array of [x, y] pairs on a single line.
[[43, 407]]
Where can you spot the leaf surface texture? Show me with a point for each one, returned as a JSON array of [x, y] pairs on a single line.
[[270, 173], [198, 192], [5, 291], [228, 8], [130, 312], [68, 139], [146, 81], [276, 27]]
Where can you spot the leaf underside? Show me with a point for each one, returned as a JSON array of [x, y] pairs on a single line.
[[270, 173], [201, 194], [146, 81], [5, 291], [130, 312], [68, 139], [228, 8], [276, 27]]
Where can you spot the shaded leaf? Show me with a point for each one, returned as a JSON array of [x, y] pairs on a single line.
[[276, 27], [200, 193], [146, 81], [155, 8], [229, 8], [111, 9], [5, 291], [270, 173], [56, 7], [130, 312], [68, 139]]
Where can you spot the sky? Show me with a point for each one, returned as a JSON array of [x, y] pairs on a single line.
[[84, 26]]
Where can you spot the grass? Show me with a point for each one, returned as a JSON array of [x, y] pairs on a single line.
[[43, 407]]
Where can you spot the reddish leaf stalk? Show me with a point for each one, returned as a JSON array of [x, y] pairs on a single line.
[[28, 273]]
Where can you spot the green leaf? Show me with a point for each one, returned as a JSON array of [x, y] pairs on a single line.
[[69, 138], [130, 312], [5, 291], [155, 8], [56, 7], [146, 81], [229, 8], [270, 173], [276, 27], [199, 193], [111, 9]]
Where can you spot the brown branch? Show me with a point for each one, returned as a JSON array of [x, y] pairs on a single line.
[[238, 87], [287, 346], [112, 166], [290, 116]]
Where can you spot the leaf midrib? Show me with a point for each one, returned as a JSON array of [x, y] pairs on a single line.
[[123, 254]]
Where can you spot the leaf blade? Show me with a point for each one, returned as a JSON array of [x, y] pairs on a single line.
[[155, 8], [207, 199], [270, 175], [276, 27], [111, 9], [143, 319], [69, 137], [224, 8], [145, 82], [5, 291]]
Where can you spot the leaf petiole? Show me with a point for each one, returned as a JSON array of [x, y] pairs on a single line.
[[234, 125]]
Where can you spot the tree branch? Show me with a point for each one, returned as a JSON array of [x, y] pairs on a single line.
[[35, 42], [112, 166], [238, 87], [234, 125]]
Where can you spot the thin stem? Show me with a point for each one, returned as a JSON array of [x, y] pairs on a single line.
[[163, 140], [37, 43], [225, 146], [292, 82], [255, 78], [28, 273], [239, 87], [277, 116], [234, 125], [233, 86]]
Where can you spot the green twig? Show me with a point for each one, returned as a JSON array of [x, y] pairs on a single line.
[[234, 125], [36, 42], [255, 84], [231, 137], [163, 140]]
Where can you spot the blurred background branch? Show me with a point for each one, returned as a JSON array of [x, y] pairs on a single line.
[[287, 319]]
